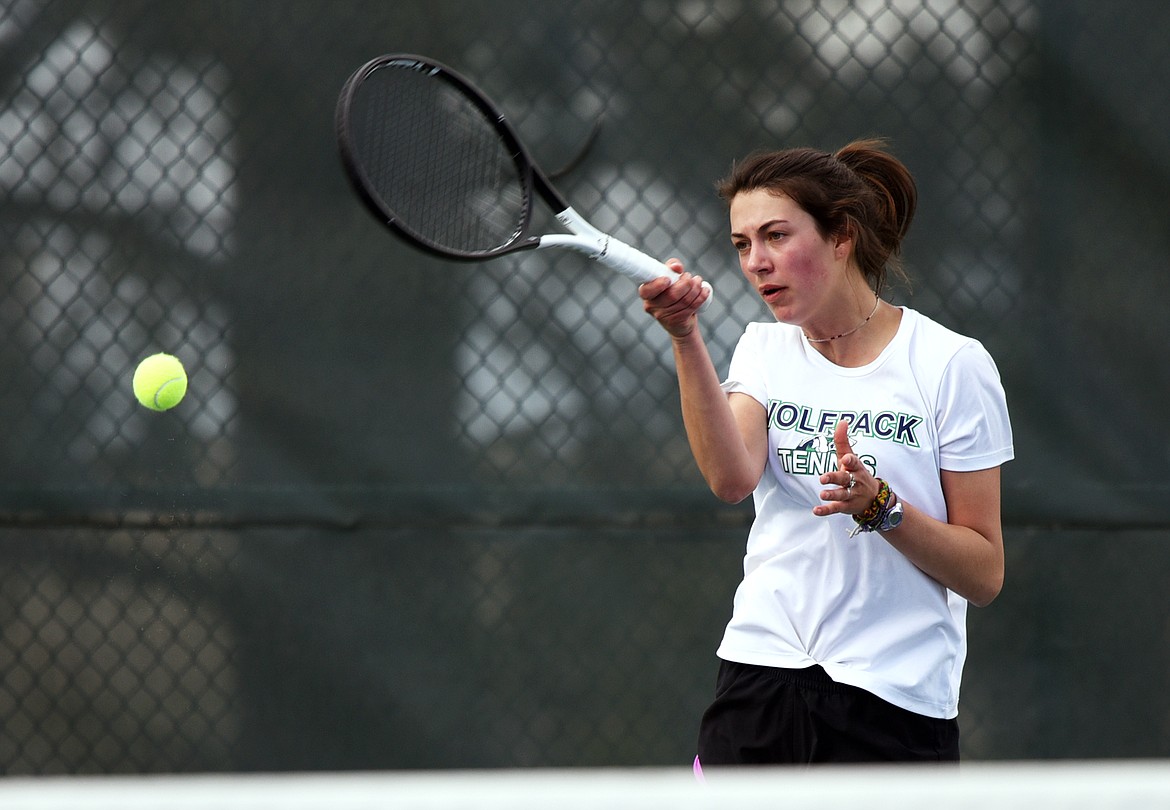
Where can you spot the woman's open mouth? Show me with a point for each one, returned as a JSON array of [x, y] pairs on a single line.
[[770, 292]]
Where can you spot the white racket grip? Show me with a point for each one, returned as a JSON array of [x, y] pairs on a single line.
[[616, 254], [637, 265]]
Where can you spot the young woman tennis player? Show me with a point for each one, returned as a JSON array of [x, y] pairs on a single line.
[[871, 439]]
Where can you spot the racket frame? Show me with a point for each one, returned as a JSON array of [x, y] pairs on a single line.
[[583, 237]]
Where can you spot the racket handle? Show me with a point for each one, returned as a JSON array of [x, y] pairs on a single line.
[[632, 262]]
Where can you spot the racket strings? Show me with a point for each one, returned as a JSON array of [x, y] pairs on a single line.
[[438, 163]]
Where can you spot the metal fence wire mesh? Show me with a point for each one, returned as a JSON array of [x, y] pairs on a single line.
[[422, 514]]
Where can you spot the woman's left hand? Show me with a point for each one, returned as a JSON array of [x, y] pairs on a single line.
[[855, 486]]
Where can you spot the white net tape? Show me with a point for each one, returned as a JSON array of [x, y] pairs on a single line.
[[1058, 786]]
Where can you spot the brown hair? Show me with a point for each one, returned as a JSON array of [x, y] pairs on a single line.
[[861, 191]]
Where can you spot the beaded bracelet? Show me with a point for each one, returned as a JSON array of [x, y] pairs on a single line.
[[871, 518]]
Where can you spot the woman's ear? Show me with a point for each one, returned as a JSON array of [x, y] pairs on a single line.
[[842, 244]]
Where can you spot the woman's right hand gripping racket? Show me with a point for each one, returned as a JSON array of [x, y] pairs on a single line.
[[433, 158]]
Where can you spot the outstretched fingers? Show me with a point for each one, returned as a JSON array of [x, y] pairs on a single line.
[[851, 487]]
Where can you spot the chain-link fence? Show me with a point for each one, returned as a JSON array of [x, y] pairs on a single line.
[[416, 514]]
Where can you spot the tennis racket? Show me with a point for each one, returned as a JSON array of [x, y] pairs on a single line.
[[434, 159]]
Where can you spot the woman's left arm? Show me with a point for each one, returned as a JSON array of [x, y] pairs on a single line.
[[963, 553], [966, 553]]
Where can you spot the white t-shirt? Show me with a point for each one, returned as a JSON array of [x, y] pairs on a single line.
[[811, 594]]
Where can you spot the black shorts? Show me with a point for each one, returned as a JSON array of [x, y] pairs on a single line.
[[770, 716]]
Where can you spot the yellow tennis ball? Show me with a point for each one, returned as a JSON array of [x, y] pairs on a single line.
[[160, 381]]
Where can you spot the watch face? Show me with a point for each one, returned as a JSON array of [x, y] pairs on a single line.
[[894, 519]]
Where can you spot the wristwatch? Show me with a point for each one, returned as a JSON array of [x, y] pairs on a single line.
[[892, 519]]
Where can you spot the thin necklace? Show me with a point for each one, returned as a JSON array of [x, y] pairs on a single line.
[[876, 300]]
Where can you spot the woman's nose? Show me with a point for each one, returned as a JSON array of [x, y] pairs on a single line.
[[756, 259]]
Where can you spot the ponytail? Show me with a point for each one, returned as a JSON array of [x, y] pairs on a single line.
[[889, 213]]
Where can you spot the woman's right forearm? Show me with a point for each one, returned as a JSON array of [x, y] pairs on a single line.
[[728, 439]]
